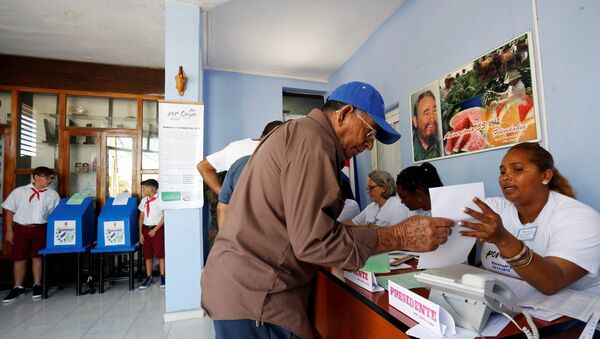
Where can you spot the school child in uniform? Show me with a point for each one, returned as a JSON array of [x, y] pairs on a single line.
[[27, 209], [152, 233]]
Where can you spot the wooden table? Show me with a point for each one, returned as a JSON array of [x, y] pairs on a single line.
[[342, 309]]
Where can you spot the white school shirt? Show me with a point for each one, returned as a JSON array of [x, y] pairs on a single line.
[[391, 213], [223, 159], [156, 211], [566, 228], [34, 212]]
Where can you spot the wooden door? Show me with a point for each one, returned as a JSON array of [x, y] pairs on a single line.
[[100, 163], [8, 177]]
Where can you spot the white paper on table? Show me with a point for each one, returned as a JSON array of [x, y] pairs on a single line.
[[495, 324], [543, 314], [400, 267], [397, 254], [575, 304], [121, 198], [449, 202]]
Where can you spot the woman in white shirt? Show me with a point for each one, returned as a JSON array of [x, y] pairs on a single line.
[[538, 231], [413, 184], [385, 208], [351, 208]]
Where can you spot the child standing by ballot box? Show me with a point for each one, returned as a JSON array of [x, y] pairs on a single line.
[[27, 209], [152, 233]]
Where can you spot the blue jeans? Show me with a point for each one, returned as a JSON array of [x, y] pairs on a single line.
[[250, 329]]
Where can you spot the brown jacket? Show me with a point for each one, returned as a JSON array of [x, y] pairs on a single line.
[[281, 225]]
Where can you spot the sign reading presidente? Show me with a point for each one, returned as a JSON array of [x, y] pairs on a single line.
[[430, 315], [181, 135]]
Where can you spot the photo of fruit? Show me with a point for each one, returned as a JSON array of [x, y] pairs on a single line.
[[489, 102]]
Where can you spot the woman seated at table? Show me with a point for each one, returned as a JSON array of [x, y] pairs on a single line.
[[385, 208], [413, 184], [538, 231]]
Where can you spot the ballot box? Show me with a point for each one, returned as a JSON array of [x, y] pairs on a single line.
[[71, 227], [118, 235], [118, 228]]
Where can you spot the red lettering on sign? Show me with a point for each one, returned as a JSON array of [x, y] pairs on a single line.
[[362, 274]]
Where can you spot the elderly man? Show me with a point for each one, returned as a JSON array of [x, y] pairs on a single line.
[[425, 127], [281, 224]]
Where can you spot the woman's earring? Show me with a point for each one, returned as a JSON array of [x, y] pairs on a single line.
[[545, 182]]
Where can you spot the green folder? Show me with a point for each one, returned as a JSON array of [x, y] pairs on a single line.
[[406, 280], [379, 263]]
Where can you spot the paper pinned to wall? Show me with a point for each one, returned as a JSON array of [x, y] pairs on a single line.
[[449, 202]]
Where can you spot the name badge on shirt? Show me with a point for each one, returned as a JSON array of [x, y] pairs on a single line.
[[527, 233]]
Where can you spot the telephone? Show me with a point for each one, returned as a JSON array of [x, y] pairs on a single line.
[[469, 294]]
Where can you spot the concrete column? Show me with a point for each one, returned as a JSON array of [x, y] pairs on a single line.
[[183, 227]]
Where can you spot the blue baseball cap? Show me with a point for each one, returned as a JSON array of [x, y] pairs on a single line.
[[366, 98]]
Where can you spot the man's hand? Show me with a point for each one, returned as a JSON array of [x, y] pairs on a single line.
[[417, 233], [141, 238], [152, 233]]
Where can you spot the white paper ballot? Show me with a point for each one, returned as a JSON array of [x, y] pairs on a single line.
[[449, 202]]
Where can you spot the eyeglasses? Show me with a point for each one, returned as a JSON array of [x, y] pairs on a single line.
[[373, 133], [48, 177], [369, 188]]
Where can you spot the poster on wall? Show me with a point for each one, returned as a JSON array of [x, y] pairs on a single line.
[[486, 104], [181, 135], [425, 121]]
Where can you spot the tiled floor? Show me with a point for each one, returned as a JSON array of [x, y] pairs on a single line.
[[117, 313]]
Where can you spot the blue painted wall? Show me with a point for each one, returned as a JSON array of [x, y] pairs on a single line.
[[426, 39], [240, 105], [569, 34]]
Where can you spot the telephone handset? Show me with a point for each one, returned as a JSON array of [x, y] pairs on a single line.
[[499, 297], [469, 294]]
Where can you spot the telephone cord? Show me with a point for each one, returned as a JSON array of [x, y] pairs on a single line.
[[530, 334]]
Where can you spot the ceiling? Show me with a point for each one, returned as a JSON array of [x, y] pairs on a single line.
[[304, 39]]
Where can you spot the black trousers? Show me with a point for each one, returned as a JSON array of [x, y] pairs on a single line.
[[250, 329]]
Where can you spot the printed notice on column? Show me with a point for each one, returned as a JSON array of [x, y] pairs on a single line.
[[181, 135]]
